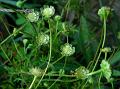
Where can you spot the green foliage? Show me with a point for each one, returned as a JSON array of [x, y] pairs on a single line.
[[57, 45]]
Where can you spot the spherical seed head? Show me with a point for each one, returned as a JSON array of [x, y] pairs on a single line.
[[67, 49], [81, 72], [105, 66], [104, 12], [36, 71], [42, 39], [48, 11], [33, 16]]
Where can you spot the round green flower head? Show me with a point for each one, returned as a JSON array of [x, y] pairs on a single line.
[[36, 71], [105, 67], [25, 41], [104, 12], [33, 16], [81, 72], [67, 49], [42, 39], [48, 11], [57, 17]]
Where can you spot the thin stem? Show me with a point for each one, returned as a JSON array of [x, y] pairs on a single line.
[[112, 85], [6, 39], [104, 36], [5, 54], [54, 82], [57, 60], [60, 75], [65, 62], [95, 72], [96, 61], [82, 87], [97, 51], [105, 55], [99, 80], [103, 43], [48, 59], [35, 77], [58, 80], [54, 75]]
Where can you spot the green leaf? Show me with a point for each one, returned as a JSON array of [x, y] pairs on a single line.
[[20, 20], [115, 58], [116, 73], [84, 39]]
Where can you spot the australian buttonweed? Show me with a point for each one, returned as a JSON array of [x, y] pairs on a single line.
[[45, 46]]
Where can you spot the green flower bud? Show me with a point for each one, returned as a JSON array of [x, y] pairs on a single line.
[[25, 41], [33, 16], [104, 12], [42, 39], [48, 12], [67, 49], [15, 32], [106, 49], [105, 67], [57, 17], [81, 72], [36, 71]]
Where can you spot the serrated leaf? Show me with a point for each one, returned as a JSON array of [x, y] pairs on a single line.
[[85, 42]]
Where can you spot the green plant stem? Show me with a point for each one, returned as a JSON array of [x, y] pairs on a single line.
[[105, 55], [49, 59], [35, 77], [97, 51], [66, 6], [54, 75], [6, 39], [65, 62], [96, 61], [103, 43], [60, 75], [112, 85], [58, 80], [5, 54], [18, 30], [95, 72], [104, 36], [57, 60], [99, 80], [54, 82], [82, 87]]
